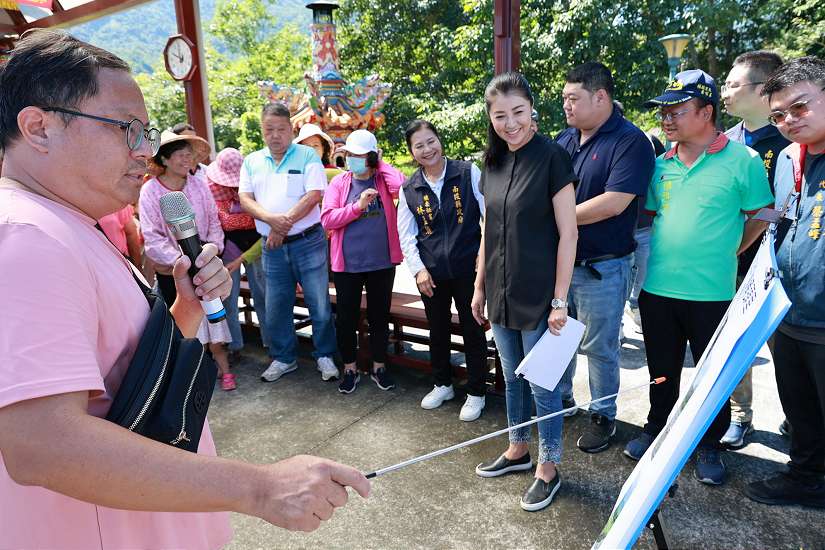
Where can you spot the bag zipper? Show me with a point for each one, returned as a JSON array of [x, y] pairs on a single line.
[[182, 435], [158, 382]]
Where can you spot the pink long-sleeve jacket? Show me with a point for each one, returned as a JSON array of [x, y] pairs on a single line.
[[336, 214]]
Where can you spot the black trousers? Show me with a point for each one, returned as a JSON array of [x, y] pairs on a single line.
[[440, 317], [348, 287], [668, 324], [168, 291], [800, 379]]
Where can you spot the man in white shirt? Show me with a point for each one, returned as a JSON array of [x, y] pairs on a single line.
[[281, 186]]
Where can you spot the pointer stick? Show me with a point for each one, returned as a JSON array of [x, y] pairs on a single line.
[[502, 431]]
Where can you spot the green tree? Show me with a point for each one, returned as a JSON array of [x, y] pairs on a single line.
[[233, 89], [241, 25], [165, 100]]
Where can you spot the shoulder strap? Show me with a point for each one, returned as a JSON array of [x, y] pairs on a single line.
[[147, 292]]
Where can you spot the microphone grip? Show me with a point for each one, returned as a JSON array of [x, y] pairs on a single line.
[[191, 247]]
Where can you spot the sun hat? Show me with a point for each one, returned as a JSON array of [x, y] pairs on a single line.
[[308, 130], [200, 147], [361, 142], [225, 170]]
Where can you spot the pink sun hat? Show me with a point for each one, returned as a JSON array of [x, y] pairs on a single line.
[[226, 168]]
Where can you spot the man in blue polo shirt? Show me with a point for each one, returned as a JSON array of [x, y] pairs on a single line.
[[614, 162], [281, 186]]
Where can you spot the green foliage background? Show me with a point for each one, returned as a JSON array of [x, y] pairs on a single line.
[[438, 55]]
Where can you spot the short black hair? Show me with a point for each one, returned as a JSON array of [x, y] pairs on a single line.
[[704, 103], [182, 127], [593, 76], [276, 108], [416, 125], [326, 155], [804, 69], [761, 63], [49, 68], [372, 159]]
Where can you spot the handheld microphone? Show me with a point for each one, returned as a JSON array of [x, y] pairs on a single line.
[[179, 216]]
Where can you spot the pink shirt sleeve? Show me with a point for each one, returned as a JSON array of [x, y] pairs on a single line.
[[214, 231], [159, 246], [334, 213], [48, 330]]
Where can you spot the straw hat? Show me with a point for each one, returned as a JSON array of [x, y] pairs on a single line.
[[308, 130], [200, 147], [226, 168]]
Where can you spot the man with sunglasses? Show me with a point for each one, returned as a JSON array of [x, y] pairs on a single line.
[[796, 95], [701, 193], [741, 95], [73, 128]]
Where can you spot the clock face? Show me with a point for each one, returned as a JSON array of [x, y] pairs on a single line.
[[179, 58]]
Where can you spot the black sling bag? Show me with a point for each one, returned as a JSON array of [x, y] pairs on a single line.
[[168, 386]]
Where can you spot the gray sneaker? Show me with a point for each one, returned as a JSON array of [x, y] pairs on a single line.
[[277, 369], [734, 438], [569, 404]]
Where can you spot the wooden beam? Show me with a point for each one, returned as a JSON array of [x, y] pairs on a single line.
[[17, 19], [7, 29], [507, 36], [56, 7], [84, 12]]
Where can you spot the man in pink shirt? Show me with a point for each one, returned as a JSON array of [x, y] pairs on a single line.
[[76, 150]]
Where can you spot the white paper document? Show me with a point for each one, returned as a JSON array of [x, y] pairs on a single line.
[[549, 358]]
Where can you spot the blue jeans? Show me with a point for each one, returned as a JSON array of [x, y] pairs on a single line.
[[513, 345], [303, 261], [233, 319], [257, 285], [599, 304], [642, 237]]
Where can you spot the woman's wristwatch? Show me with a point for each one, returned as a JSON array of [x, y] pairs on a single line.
[[558, 303]]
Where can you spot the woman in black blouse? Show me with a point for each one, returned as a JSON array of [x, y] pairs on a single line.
[[527, 250]]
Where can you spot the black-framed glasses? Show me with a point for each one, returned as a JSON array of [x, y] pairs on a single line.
[[136, 131], [726, 87]]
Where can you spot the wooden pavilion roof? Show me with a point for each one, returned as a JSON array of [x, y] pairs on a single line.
[[63, 13]]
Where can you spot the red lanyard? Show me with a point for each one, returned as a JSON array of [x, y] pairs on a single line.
[[799, 171]]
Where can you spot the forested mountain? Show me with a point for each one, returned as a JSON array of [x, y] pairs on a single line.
[[138, 35]]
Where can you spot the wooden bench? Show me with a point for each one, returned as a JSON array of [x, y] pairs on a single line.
[[405, 312]]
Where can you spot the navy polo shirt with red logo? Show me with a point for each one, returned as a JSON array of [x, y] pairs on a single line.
[[617, 158]]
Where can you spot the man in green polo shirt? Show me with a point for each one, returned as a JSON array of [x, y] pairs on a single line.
[[701, 193]]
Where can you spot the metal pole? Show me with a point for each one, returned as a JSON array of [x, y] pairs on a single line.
[[452, 448]]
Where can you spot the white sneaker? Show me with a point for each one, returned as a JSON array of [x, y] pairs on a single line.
[[437, 396], [472, 408], [277, 369], [327, 367]]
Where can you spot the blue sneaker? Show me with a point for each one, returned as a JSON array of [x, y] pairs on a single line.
[[637, 447], [709, 466]]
